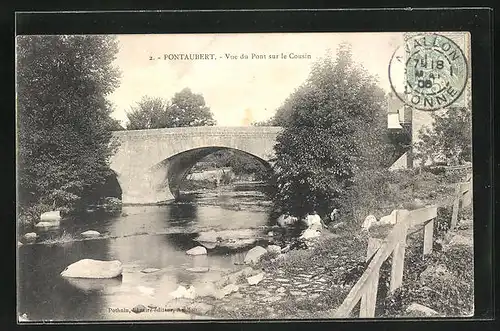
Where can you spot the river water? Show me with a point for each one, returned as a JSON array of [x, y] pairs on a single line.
[[142, 237]]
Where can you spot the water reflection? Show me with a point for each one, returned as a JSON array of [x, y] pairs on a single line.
[[183, 211], [143, 237], [92, 285], [44, 294]]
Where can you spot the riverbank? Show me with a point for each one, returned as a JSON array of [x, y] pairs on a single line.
[[298, 283], [302, 283], [308, 283], [312, 283]]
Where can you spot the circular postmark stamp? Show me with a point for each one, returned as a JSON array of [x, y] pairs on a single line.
[[428, 72]]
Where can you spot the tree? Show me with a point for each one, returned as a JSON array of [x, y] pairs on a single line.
[[188, 109], [63, 117], [149, 113], [115, 125], [334, 133], [184, 109], [448, 139], [268, 122], [239, 162]]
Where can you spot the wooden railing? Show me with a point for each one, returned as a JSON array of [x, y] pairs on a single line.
[[394, 244], [463, 198]]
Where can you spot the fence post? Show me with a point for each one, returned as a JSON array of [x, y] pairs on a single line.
[[467, 194], [428, 236], [456, 205], [369, 298], [398, 254]]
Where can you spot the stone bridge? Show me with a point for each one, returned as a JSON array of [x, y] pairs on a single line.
[[150, 164]]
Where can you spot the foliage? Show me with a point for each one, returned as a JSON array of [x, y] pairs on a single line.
[[114, 125], [239, 162], [112, 204], [226, 178], [63, 117], [63, 238], [269, 122], [449, 138], [148, 113], [451, 295], [443, 221], [189, 109], [29, 214], [334, 133], [184, 109]]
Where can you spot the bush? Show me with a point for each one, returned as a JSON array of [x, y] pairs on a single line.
[[443, 221], [112, 204], [449, 296], [370, 194], [226, 178], [58, 240], [465, 213], [334, 132], [31, 215], [64, 142]]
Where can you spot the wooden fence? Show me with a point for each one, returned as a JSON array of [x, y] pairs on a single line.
[[394, 244]]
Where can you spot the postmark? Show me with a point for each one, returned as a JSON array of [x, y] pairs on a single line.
[[429, 72]]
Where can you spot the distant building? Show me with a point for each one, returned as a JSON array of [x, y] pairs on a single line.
[[399, 119]]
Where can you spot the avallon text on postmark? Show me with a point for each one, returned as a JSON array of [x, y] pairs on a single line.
[[429, 72]]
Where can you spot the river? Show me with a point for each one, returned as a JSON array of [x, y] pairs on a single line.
[[141, 237]]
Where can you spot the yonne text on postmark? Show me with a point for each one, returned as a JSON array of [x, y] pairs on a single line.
[[434, 71]]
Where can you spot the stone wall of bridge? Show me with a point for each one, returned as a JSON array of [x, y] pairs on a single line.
[[151, 163]]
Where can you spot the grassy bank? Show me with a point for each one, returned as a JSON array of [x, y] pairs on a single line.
[[442, 281], [301, 283]]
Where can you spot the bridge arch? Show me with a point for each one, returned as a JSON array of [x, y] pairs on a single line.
[[178, 166], [150, 164]]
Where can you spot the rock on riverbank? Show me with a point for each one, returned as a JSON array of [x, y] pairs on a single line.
[[198, 250], [88, 268]]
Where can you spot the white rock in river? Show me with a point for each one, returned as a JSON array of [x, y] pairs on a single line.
[[198, 250], [51, 216], [91, 234], [30, 235], [88, 268], [149, 270], [198, 269], [254, 255], [286, 220], [182, 292], [208, 244], [47, 224], [254, 280]]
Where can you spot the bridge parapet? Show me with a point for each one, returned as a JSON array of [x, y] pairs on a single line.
[[203, 130]]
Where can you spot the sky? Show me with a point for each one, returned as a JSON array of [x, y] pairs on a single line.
[[239, 91]]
